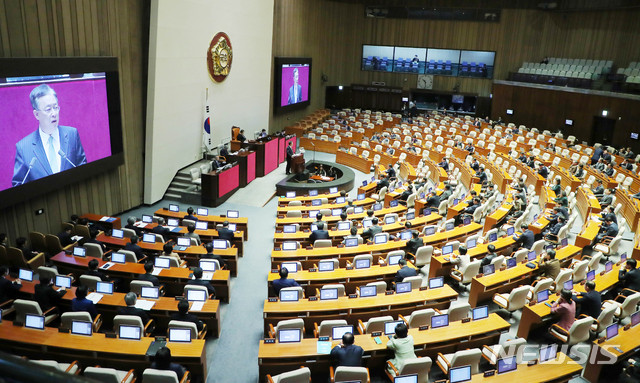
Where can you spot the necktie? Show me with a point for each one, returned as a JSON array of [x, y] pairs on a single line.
[[53, 157]]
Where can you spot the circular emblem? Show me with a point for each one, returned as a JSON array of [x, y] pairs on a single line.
[[219, 57]]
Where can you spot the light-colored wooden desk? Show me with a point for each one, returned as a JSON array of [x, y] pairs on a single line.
[[561, 370], [627, 341], [305, 208], [242, 223], [589, 232], [284, 201], [355, 161], [307, 221], [441, 266]]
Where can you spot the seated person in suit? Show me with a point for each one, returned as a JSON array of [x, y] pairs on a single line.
[[557, 186], [190, 215], [372, 230], [526, 239], [391, 172], [347, 353], [590, 302], [354, 233], [148, 276], [462, 259], [319, 234], [224, 151], [65, 237], [94, 272], [162, 361], [558, 211], [210, 255], [45, 295], [404, 271], [607, 198], [552, 232], [609, 170], [167, 251], [133, 246], [565, 308], [562, 199], [482, 176], [405, 194], [283, 281], [130, 300], [8, 289], [241, 137], [191, 233], [382, 182], [444, 164], [81, 303], [609, 229], [433, 200], [491, 254], [131, 225], [475, 165], [197, 274], [608, 212], [598, 189], [93, 233], [225, 233], [630, 275], [160, 229], [446, 193], [402, 346], [21, 244], [543, 171], [414, 243], [184, 316], [549, 265]]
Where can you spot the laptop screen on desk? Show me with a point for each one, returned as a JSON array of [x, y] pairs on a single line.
[[608, 266], [201, 225], [409, 216], [313, 193], [344, 225], [325, 266], [81, 327], [511, 262], [480, 312], [390, 220], [289, 295], [439, 321], [548, 353], [289, 228], [162, 263], [174, 208], [635, 318], [379, 239], [377, 206], [488, 269], [449, 226], [448, 249], [104, 287], [117, 233], [316, 202], [289, 335], [326, 294], [25, 275], [363, 263], [390, 326], [507, 364], [543, 296], [436, 282], [219, 243], [368, 291], [333, 190], [430, 230], [148, 238], [196, 295], [338, 331], [612, 331], [79, 251], [493, 237], [173, 222], [289, 245], [150, 292], [290, 194], [413, 378], [291, 267], [366, 223], [591, 275], [510, 230], [129, 332], [531, 256], [358, 209], [234, 213], [360, 197], [184, 241], [34, 321], [406, 235], [336, 212], [147, 218], [208, 265], [63, 281], [466, 220], [393, 260], [471, 243], [426, 212], [341, 200], [351, 242], [179, 335], [403, 287], [202, 211], [313, 214], [460, 374], [568, 285], [393, 203]]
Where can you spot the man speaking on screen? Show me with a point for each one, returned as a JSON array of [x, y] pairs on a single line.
[[295, 92], [52, 148]]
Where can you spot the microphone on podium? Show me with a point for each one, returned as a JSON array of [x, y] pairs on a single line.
[[64, 155], [31, 163]]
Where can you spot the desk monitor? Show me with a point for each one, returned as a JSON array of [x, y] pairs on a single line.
[[327, 294], [623, 257], [233, 214], [373, 179], [409, 216], [358, 210], [325, 266], [493, 237], [196, 295], [543, 296], [177, 334], [79, 327], [390, 220], [455, 201], [406, 235], [291, 267], [208, 265], [333, 190], [338, 331], [313, 192], [379, 239], [336, 212], [591, 275], [413, 378], [466, 220], [564, 242], [448, 249], [150, 292], [548, 352], [510, 230], [393, 203], [118, 258], [341, 200], [426, 211], [351, 242], [63, 281], [289, 295], [163, 263], [531, 256], [364, 183], [363, 263], [289, 335], [480, 312], [393, 260], [390, 326], [568, 285], [360, 197], [117, 233], [290, 194], [391, 189], [79, 251], [366, 223], [422, 195], [635, 318], [436, 282], [507, 364], [202, 225], [147, 218], [233, 227], [430, 230], [289, 245], [129, 332], [488, 269], [220, 244], [439, 320], [34, 321], [511, 262], [202, 211], [403, 287], [471, 243], [104, 287], [612, 331], [184, 241], [344, 225], [460, 374], [148, 238], [449, 226], [377, 206], [173, 222], [25, 275], [316, 202], [608, 266], [174, 208], [368, 291]]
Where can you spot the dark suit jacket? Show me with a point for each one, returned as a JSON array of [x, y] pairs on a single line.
[[8, 289], [65, 238], [404, 272], [349, 356], [148, 277], [433, 201], [135, 248], [382, 183], [32, 146], [201, 282], [526, 239], [132, 310], [187, 318], [371, 231], [289, 152], [487, 259], [280, 283], [46, 296], [413, 244], [318, 234], [97, 273], [590, 303], [188, 216], [161, 230], [598, 190], [224, 233], [630, 279], [550, 269], [84, 305], [292, 97]]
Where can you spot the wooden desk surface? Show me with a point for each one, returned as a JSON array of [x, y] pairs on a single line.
[[589, 232], [541, 372], [242, 222], [627, 341], [441, 266], [283, 201], [305, 221], [116, 223], [365, 202], [341, 274]]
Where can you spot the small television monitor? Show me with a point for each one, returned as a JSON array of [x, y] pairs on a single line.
[[325, 266], [510, 230], [412, 378], [174, 208], [635, 318], [389, 220], [548, 352], [63, 281], [455, 201], [511, 262], [409, 216], [202, 211], [612, 331], [634, 135], [591, 275], [117, 233], [344, 225], [328, 294], [543, 296], [608, 266], [623, 257], [488, 269], [118, 258], [79, 327], [507, 364], [336, 212], [289, 295], [466, 220], [480, 312], [436, 282], [79, 251], [439, 320], [289, 335], [457, 99], [163, 263], [148, 238], [314, 227], [403, 287], [173, 222], [363, 263], [460, 374], [448, 249], [564, 242], [493, 237], [129, 332], [34, 321], [25, 275], [364, 183], [358, 210], [360, 197], [426, 211], [379, 239], [291, 267], [471, 243], [430, 230], [390, 326], [568, 122], [509, 111], [201, 225], [104, 288], [368, 291], [393, 203], [366, 223], [208, 265], [177, 334], [316, 202], [377, 206], [531, 256], [351, 242], [289, 245], [338, 331], [449, 226], [406, 235], [568, 285], [184, 241], [147, 218], [341, 200], [150, 292], [313, 193], [196, 295], [333, 190], [233, 213], [233, 227], [290, 194], [393, 260], [219, 243]]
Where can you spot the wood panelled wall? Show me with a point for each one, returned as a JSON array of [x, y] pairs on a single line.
[[34, 28], [332, 33]]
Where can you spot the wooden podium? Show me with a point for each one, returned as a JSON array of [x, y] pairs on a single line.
[[297, 163]]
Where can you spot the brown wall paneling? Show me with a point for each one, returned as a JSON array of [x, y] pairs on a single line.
[[34, 28]]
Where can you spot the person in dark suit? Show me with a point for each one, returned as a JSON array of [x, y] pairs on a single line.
[[160, 229], [630, 275], [482, 176], [606, 156], [81, 303], [191, 233], [94, 272], [404, 271], [224, 151], [162, 361], [609, 229], [295, 91], [491, 254], [347, 353], [543, 171], [372, 230], [283, 281], [65, 237], [133, 246], [21, 244], [382, 182], [224, 232], [607, 198], [525, 239], [131, 225], [289, 157], [241, 137], [562, 199], [391, 172], [130, 300], [190, 215], [148, 276], [556, 187], [51, 148], [45, 295], [8, 289], [209, 248], [414, 243], [197, 274], [405, 194], [597, 153], [93, 233], [553, 231], [590, 301], [184, 316], [319, 234], [444, 164], [433, 200], [475, 165]]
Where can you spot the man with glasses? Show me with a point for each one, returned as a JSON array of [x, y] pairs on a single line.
[[50, 149]]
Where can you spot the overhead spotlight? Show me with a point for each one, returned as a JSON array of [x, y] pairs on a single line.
[[605, 113]]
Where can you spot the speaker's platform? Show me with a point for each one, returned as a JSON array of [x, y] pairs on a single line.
[[301, 183]]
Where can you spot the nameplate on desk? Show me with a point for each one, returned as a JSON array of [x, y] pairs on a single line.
[[627, 327], [274, 271], [323, 338], [388, 292], [309, 247], [353, 296], [349, 267], [311, 299], [489, 373], [601, 340], [466, 320], [340, 246], [376, 333], [270, 340], [422, 328], [273, 299], [110, 335], [278, 231], [306, 230], [313, 269], [423, 288]]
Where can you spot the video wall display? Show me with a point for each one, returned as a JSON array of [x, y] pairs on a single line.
[[445, 62]]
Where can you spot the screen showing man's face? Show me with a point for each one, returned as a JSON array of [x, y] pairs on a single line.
[[48, 113]]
